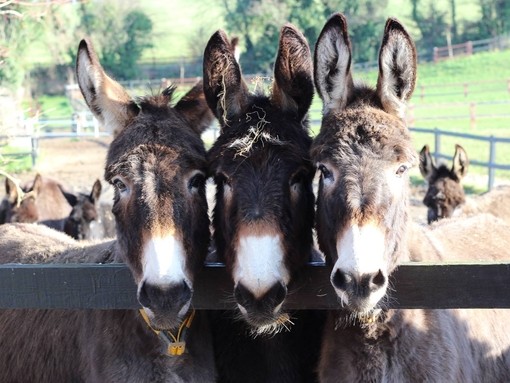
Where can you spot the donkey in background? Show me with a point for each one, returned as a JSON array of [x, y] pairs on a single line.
[[46, 201], [263, 215], [445, 195], [445, 192], [157, 166], [364, 152]]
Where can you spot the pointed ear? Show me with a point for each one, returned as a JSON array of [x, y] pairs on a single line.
[[460, 162], [11, 190], [427, 166], [397, 69], [106, 98], [225, 90], [193, 107], [293, 72], [38, 184], [96, 191], [332, 64]]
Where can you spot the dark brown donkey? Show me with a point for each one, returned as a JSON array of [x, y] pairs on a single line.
[[157, 165], [47, 202], [263, 215], [364, 152], [39, 201], [445, 191]]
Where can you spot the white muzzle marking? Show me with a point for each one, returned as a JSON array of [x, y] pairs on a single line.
[[260, 264], [164, 261], [360, 252]]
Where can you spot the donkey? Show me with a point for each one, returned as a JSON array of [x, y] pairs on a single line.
[[39, 201], [157, 166], [47, 202], [263, 215], [85, 220], [364, 152], [445, 192]]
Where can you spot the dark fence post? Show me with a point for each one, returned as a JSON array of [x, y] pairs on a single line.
[[492, 159], [437, 144]]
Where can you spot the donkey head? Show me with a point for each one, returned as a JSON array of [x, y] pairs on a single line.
[[363, 152], [445, 190], [157, 166], [260, 162], [83, 221], [21, 205]]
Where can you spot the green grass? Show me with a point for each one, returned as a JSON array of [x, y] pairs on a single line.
[[13, 163]]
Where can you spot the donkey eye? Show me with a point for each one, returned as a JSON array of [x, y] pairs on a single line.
[[119, 185], [196, 182], [326, 174], [401, 170]]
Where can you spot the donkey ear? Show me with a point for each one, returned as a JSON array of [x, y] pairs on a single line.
[[96, 191], [460, 162], [106, 98], [225, 90], [37, 185], [195, 110], [293, 84], [332, 63], [11, 190], [397, 68], [427, 166]]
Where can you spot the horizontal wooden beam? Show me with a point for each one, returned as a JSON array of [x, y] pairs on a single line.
[[111, 286]]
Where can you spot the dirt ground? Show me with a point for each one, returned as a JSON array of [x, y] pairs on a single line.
[[77, 163]]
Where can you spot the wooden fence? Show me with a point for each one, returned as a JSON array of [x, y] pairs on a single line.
[[471, 111], [470, 47], [111, 286], [490, 164]]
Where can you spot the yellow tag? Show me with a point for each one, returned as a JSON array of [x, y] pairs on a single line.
[[176, 348]]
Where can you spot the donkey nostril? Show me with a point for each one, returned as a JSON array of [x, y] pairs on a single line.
[[340, 280], [276, 294], [379, 279]]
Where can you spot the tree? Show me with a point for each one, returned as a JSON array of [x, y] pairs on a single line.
[[120, 35]]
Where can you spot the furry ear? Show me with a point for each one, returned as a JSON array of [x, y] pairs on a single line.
[[37, 185], [224, 88], [460, 162], [397, 68], [96, 191], [332, 63], [193, 107], [293, 84], [106, 98], [427, 166], [11, 190]]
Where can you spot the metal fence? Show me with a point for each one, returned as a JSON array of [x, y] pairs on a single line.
[[492, 141]]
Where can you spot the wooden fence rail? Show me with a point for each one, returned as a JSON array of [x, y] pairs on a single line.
[[413, 285], [490, 164]]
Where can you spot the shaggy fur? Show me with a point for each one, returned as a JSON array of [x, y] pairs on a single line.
[[263, 176], [364, 152], [156, 164], [495, 202]]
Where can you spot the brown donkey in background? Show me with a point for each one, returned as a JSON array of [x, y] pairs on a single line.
[[445, 192], [47, 202], [157, 165], [263, 215], [364, 152]]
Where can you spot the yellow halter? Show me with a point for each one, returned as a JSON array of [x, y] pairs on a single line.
[[175, 345]]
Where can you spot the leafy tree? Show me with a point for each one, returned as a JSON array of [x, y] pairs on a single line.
[[120, 35]]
